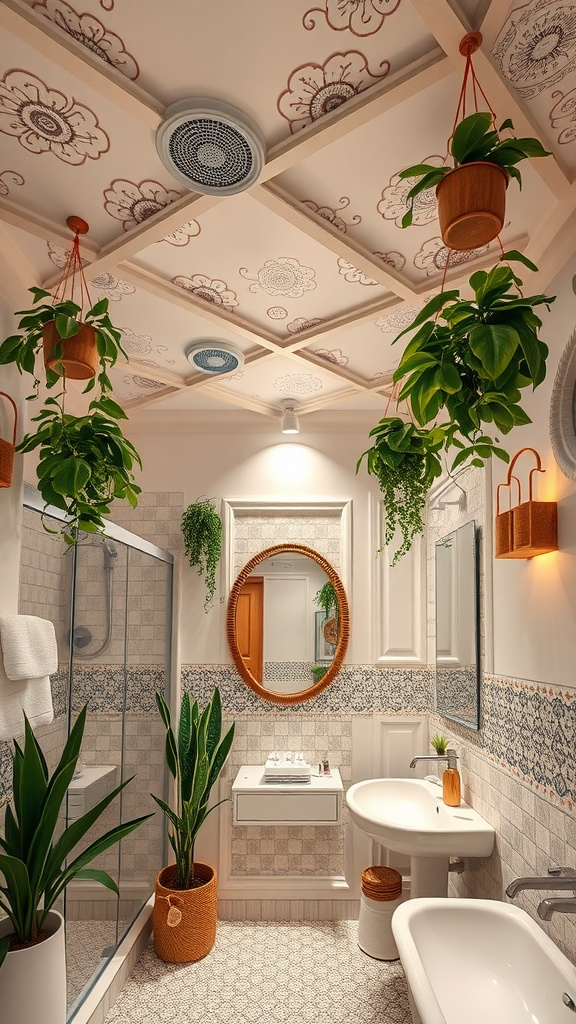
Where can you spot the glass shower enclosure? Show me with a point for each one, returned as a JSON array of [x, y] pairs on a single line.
[[110, 599]]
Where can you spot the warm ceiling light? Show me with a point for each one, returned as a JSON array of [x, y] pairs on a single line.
[[290, 423]]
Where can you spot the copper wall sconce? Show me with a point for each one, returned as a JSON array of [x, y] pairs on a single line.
[[529, 528]]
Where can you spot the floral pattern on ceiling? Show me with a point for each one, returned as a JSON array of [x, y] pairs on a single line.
[[398, 320], [277, 313], [211, 290], [132, 203], [563, 116], [392, 259], [111, 287], [302, 324], [298, 383], [136, 344], [361, 17], [351, 274], [317, 89], [332, 215], [91, 33], [536, 46], [44, 120], [8, 179], [142, 384], [434, 257], [392, 205], [283, 276], [332, 355]]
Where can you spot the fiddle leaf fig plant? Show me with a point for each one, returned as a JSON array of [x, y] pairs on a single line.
[[22, 348], [85, 462], [475, 138], [202, 531]]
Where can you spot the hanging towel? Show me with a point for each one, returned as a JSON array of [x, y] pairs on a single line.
[[28, 647], [34, 696]]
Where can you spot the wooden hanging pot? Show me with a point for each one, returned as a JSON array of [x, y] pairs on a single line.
[[472, 204], [79, 355], [184, 920], [7, 448], [529, 528]]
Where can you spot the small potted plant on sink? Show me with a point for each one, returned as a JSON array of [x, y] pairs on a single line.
[[186, 900], [471, 194], [38, 860]]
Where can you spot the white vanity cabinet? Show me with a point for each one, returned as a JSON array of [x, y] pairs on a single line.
[[255, 802]]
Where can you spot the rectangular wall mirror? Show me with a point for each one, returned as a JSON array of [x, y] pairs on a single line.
[[457, 634]]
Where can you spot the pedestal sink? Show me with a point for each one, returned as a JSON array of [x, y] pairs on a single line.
[[481, 962], [409, 816]]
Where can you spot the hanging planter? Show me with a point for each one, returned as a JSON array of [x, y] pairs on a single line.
[[8, 448], [471, 194], [75, 357], [472, 204], [202, 531]]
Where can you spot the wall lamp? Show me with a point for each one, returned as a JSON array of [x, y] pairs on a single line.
[[290, 424], [529, 528]]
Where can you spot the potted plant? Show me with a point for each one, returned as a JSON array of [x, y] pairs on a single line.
[[327, 600], [468, 360], [439, 743], [85, 462], [202, 531], [186, 901], [471, 193], [38, 861], [318, 672], [74, 344]]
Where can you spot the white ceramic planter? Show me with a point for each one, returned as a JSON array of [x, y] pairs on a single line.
[[33, 980]]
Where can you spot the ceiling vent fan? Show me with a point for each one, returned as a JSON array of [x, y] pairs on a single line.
[[210, 146], [213, 356]]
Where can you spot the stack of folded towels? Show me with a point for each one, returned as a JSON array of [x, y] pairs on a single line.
[[28, 657], [286, 768]]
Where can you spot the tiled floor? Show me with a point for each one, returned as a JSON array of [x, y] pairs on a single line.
[[269, 973]]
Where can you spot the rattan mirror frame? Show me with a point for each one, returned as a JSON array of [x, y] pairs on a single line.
[[343, 614]]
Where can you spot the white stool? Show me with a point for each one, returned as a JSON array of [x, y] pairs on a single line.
[[381, 894]]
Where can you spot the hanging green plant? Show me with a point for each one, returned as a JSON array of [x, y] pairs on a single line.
[[406, 461], [202, 531], [327, 600]]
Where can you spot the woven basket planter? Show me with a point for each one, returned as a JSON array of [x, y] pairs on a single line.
[[7, 448], [471, 205], [79, 359], [184, 920]]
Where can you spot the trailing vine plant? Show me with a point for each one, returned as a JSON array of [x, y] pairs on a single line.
[[327, 600], [202, 531]]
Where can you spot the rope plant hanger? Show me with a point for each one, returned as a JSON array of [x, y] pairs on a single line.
[[70, 347], [471, 194]]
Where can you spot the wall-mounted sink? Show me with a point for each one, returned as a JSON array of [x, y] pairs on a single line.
[[409, 816], [481, 961]]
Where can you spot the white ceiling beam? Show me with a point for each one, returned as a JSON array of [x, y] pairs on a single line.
[[45, 37], [491, 22], [357, 111], [343, 246], [41, 227], [449, 27], [157, 373]]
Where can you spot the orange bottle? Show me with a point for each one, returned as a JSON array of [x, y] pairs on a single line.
[[451, 793]]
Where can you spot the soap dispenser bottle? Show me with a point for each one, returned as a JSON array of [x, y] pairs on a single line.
[[451, 781]]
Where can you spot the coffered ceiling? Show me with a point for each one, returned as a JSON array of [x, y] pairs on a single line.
[[308, 271]]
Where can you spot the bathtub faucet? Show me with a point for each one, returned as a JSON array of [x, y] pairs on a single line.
[[451, 756], [556, 879]]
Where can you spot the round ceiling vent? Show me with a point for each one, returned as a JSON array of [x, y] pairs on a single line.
[[211, 147], [214, 356]]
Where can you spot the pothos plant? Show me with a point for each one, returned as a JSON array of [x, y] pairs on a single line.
[[474, 139], [202, 531], [468, 362], [68, 317], [327, 600]]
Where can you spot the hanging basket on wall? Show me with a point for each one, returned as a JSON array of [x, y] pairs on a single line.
[[529, 528], [7, 448]]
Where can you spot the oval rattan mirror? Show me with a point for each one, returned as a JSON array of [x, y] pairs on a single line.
[[256, 598]]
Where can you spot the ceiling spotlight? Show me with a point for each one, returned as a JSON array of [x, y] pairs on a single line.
[[290, 423]]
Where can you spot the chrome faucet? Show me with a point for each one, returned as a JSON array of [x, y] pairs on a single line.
[[557, 879], [451, 756]]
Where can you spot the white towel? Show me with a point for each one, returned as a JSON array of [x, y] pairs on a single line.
[[34, 696], [28, 647]]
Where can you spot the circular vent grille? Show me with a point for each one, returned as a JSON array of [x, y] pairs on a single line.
[[214, 356], [210, 146]]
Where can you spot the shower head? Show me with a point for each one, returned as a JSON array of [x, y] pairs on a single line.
[[110, 554]]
